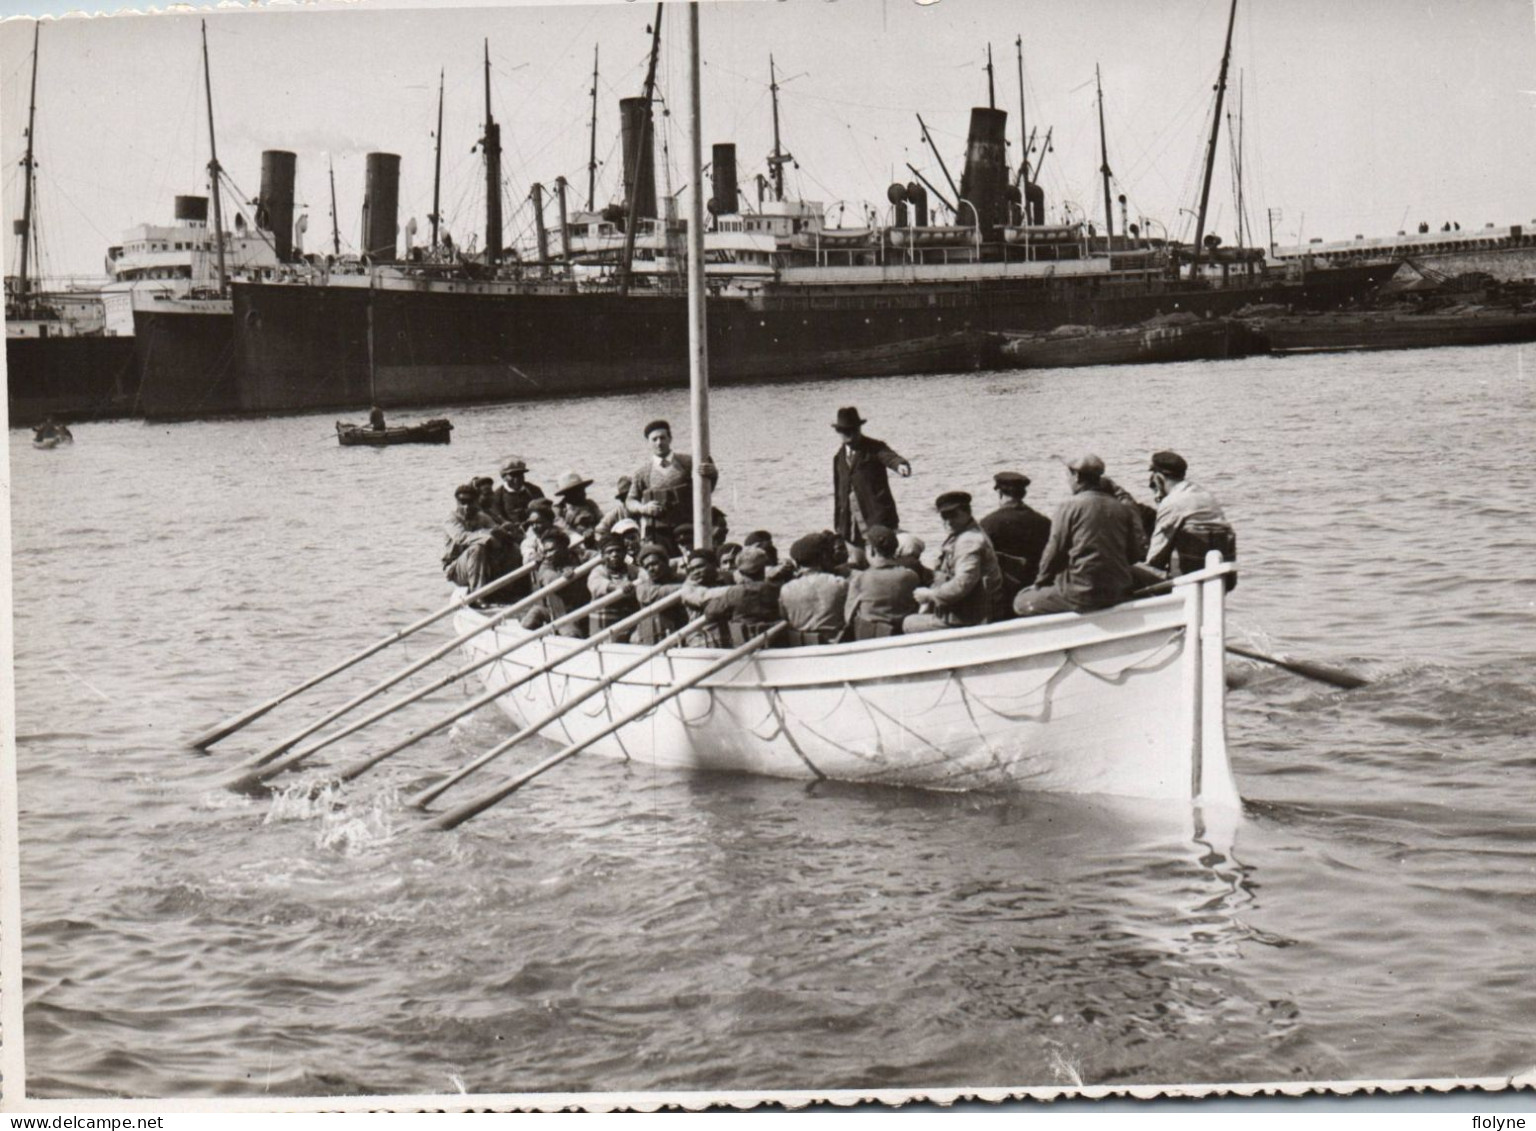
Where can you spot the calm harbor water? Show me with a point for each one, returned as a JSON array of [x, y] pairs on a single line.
[[622, 928]]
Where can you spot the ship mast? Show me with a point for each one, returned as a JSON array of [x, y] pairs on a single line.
[[642, 139], [335, 231], [214, 172], [437, 163], [592, 151], [779, 156], [23, 284], [1210, 150], [698, 339], [991, 89], [1023, 132], [490, 144], [1109, 208]]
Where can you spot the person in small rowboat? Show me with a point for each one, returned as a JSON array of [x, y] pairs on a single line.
[[376, 419], [1019, 534], [657, 580], [813, 602], [556, 561], [1094, 539], [515, 494], [571, 502], [861, 490], [662, 487], [51, 429], [880, 597], [1190, 523], [967, 579], [479, 549], [614, 574]]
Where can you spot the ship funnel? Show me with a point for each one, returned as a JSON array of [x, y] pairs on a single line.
[[917, 196], [381, 206], [984, 183], [193, 209], [723, 179], [897, 195], [1034, 203], [639, 160], [274, 207]]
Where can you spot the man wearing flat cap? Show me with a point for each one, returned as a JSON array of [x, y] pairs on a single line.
[[662, 487], [515, 494], [616, 573], [1019, 534], [1189, 522], [478, 549], [967, 579], [861, 490], [1094, 539]]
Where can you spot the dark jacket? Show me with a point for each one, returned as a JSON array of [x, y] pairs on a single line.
[[1019, 534], [867, 480], [1094, 539]]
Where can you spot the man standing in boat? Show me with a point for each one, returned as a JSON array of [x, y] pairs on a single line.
[[661, 489], [861, 489], [1094, 539], [967, 579], [1019, 534]]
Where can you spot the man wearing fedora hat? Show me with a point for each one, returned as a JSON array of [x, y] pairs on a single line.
[[861, 489], [1019, 534], [571, 491], [967, 580]]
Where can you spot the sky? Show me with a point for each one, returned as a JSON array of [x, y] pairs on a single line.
[[1360, 118]]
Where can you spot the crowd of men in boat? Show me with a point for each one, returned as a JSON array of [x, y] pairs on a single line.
[[863, 579]]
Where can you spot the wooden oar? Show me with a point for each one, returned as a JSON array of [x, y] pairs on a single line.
[[245, 718], [254, 772], [411, 669], [456, 817], [426, 796], [1335, 676], [491, 695]]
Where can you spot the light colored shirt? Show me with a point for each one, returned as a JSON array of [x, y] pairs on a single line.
[[814, 602], [1184, 502]]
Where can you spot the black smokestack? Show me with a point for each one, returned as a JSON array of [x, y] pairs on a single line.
[[917, 196], [984, 184], [723, 179], [381, 206], [274, 207], [639, 160]]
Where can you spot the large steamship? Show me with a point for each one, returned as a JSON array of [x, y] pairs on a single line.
[[789, 297]]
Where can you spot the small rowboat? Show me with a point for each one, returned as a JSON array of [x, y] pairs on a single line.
[[436, 431], [53, 440], [1127, 702]]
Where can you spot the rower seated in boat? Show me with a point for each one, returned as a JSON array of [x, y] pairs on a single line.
[[880, 597], [1190, 523], [539, 520], [615, 574], [479, 549], [750, 605], [779, 572], [657, 579], [556, 562], [1094, 539], [967, 579], [700, 585], [515, 494], [1019, 534], [813, 602], [376, 419]]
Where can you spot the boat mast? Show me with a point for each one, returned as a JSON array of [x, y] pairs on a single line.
[[490, 145], [335, 230], [437, 164], [23, 284], [1109, 208], [1023, 132], [779, 156], [1237, 164], [1210, 149], [214, 172], [698, 341], [592, 151], [642, 139]]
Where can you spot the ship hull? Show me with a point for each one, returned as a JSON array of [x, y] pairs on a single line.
[[185, 353], [77, 378]]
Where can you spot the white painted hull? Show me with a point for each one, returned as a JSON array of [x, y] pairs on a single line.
[[1127, 702]]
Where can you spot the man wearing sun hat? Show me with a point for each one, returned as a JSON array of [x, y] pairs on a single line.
[[967, 580], [861, 489], [1094, 539]]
